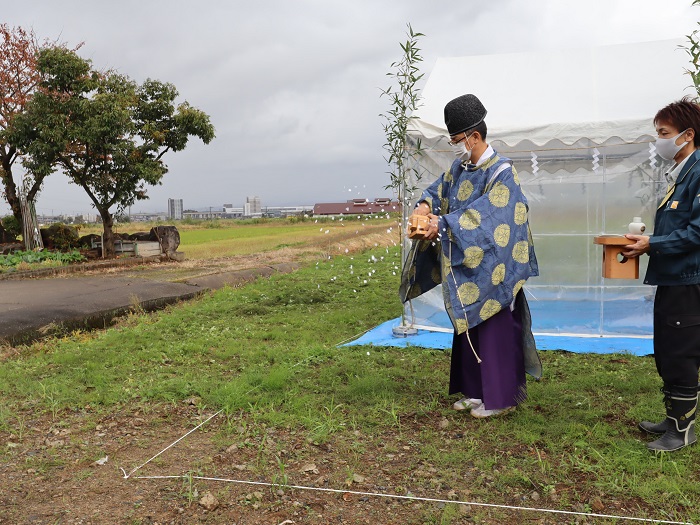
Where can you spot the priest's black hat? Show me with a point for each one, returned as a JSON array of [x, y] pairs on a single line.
[[463, 113]]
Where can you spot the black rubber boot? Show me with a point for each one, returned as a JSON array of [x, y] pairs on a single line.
[[681, 405], [655, 428], [661, 427]]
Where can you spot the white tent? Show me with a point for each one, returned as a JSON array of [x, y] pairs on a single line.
[[578, 126]]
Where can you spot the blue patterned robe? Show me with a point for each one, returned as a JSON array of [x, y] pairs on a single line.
[[485, 253]]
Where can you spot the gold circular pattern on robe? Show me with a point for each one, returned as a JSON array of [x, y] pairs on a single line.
[[446, 266], [470, 219], [490, 308], [439, 191], [498, 274], [499, 195], [520, 215], [415, 291], [462, 326], [502, 235], [436, 275], [515, 176], [521, 252], [448, 176], [518, 286], [465, 190], [423, 245], [468, 293], [444, 206], [473, 256]]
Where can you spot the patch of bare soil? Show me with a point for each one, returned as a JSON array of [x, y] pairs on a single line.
[[336, 243], [72, 474], [71, 470]]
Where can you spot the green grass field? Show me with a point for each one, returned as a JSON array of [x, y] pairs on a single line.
[[268, 355], [245, 240]]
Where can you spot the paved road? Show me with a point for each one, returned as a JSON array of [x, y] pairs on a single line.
[[32, 308]]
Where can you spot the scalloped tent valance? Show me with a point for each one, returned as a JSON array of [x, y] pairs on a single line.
[[568, 95]]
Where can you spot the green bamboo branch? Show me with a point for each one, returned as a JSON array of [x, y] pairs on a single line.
[[693, 50], [404, 97]]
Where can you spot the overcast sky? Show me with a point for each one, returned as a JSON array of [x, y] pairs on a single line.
[[293, 86]]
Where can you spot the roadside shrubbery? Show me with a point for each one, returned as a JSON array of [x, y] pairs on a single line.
[[11, 225], [33, 260]]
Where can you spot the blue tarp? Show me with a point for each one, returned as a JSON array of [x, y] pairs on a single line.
[[382, 335]]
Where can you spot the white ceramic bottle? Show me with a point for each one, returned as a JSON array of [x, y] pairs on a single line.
[[637, 227]]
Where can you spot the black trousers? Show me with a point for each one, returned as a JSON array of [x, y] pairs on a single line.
[[677, 334]]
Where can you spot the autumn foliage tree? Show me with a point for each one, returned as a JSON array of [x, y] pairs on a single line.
[[104, 131], [18, 80]]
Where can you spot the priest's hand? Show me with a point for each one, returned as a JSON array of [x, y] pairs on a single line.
[[422, 209], [432, 231], [640, 246]]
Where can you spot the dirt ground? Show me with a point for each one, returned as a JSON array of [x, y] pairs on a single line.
[[140, 466], [52, 474]]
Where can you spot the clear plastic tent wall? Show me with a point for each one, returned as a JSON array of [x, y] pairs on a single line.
[[582, 177], [575, 193]]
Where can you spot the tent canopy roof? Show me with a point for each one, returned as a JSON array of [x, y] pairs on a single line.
[[595, 93]]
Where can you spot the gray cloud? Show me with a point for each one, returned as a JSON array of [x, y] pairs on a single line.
[[293, 87]]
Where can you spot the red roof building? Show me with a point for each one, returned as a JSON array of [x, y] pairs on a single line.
[[357, 206]]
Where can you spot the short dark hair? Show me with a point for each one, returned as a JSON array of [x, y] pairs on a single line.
[[480, 127], [683, 114]]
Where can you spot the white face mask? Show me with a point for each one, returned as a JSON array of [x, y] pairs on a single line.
[[667, 148], [460, 150]]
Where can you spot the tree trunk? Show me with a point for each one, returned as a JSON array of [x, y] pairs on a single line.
[[108, 251], [8, 183]]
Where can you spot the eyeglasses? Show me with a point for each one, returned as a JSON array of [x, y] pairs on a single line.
[[455, 142]]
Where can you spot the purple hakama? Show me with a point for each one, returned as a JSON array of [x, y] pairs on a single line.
[[499, 380]]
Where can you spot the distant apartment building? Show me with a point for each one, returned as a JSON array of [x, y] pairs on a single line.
[[252, 207], [175, 209]]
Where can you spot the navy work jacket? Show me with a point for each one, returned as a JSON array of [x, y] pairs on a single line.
[[674, 247]]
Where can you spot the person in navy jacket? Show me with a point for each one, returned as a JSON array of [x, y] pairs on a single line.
[[674, 267]]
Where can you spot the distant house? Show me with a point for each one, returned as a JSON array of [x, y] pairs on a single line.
[[357, 207]]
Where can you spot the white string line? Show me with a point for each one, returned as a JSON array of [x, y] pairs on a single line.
[[418, 498], [352, 338], [415, 498], [376, 494], [126, 476]]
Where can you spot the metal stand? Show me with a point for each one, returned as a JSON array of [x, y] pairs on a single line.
[[403, 331]]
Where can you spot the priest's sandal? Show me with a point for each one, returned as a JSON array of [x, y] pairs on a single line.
[[481, 411], [466, 403], [681, 406]]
